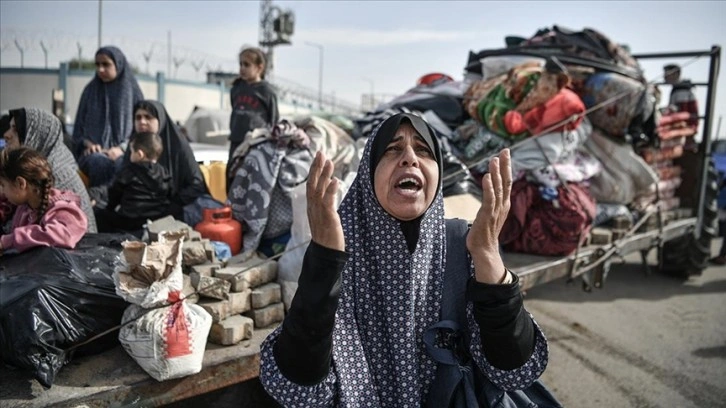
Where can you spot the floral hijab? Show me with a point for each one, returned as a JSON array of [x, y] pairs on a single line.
[[389, 295]]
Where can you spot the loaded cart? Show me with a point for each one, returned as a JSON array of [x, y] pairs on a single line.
[[651, 186]]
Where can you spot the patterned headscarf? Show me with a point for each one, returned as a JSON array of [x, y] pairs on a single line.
[[42, 131], [105, 113], [389, 295]]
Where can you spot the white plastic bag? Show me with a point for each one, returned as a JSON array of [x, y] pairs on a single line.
[[147, 274], [168, 342], [289, 265]]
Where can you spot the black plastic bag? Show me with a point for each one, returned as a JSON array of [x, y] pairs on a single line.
[[52, 299]]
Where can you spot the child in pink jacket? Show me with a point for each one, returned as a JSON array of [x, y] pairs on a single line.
[[45, 216]]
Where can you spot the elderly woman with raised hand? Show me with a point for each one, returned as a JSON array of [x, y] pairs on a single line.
[[104, 119], [42, 131], [372, 277]]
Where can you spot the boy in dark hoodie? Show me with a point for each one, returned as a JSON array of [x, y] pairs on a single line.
[[141, 190]]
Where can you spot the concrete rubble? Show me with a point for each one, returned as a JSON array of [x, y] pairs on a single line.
[[240, 294]]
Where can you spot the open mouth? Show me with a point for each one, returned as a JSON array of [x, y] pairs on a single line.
[[409, 184]]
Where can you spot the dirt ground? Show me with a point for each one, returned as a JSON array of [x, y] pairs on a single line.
[[640, 341]]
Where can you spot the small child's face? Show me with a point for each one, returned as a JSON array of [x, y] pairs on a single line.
[[248, 69], [137, 156], [13, 192]]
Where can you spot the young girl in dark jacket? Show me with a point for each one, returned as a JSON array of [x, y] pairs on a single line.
[[254, 103]]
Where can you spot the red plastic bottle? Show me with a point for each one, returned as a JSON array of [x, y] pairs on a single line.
[[218, 225]]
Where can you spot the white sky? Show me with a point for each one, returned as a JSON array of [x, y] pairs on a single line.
[[386, 45]]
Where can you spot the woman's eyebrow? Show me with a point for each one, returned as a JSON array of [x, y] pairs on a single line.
[[418, 138]]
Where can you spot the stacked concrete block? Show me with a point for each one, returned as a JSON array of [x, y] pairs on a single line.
[[232, 330], [167, 223], [188, 291], [257, 275], [210, 287]]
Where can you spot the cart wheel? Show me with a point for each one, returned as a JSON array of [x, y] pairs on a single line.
[[687, 256]]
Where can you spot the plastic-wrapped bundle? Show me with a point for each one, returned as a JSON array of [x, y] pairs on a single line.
[[52, 299]]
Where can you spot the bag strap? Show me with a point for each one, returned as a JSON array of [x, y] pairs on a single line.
[[453, 385], [456, 274], [453, 301]]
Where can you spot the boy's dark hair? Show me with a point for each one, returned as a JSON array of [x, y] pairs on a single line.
[[149, 143], [672, 68]]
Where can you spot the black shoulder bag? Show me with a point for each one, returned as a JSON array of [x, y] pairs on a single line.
[[459, 383]]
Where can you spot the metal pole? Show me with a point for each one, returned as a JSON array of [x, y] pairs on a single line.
[[320, 73], [372, 99], [168, 53], [705, 152], [100, 21]]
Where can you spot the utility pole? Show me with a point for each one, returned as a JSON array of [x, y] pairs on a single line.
[[168, 53], [100, 21], [372, 99], [320, 72], [78, 44]]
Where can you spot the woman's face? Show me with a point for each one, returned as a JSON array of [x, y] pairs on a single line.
[[12, 140], [407, 175], [105, 68], [248, 69], [144, 121]]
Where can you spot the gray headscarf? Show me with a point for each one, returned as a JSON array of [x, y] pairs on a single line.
[[105, 113], [43, 132]]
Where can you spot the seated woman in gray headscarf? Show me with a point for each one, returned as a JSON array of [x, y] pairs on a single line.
[[42, 131], [104, 119], [372, 282]]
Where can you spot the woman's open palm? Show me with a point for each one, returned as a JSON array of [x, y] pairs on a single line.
[[322, 188], [497, 188]]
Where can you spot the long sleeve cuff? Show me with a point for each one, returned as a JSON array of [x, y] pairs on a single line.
[[507, 330], [303, 350]]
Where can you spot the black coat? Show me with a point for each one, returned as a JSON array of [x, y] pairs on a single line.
[[142, 190]]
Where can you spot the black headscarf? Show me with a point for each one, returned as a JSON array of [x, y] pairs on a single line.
[[20, 123], [177, 157], [384, 135]]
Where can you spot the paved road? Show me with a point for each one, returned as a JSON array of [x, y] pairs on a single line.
[[641, 341]]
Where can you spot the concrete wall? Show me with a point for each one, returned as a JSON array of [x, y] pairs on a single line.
[[181, 97], [21, 87], [27, 87]]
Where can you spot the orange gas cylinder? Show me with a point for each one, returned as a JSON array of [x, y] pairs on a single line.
[[218, 225]]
